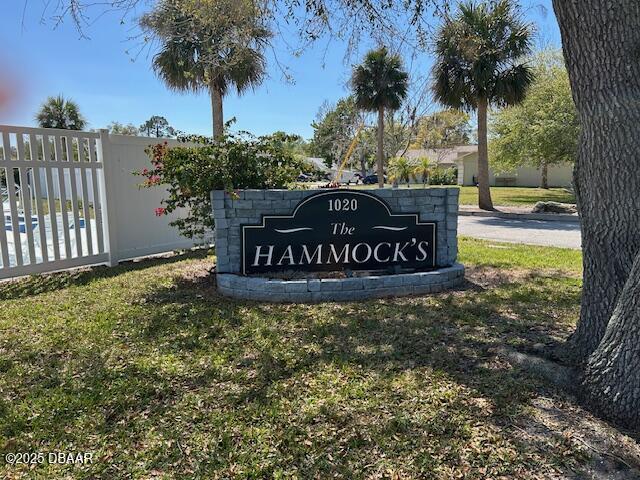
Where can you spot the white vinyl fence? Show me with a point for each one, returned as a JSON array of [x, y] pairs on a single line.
[[70, 198]]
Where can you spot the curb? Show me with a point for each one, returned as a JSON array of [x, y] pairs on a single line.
[[549, 217]]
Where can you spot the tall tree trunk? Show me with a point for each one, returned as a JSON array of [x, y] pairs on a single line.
[[601, 41], [363, 165], [380, 154], [544, 175], [612, 376], [216, 112], [484, 192]]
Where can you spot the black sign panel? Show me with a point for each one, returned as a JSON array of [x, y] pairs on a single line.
[[338, 230]]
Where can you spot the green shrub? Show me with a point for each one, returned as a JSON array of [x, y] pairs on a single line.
[[443, 176], [401, 169], [190, 173]]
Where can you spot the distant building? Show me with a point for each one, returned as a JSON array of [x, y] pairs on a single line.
[[443, 157], [346, 176], [465, 159], [318, 163]]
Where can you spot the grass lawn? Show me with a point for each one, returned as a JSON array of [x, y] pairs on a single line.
[[145, 366], [517, 196], [505, 196]]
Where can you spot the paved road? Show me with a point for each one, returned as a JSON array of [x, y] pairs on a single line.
[[534, 232]]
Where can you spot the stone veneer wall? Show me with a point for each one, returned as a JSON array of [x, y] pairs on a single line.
[[438, 205], [340, 289]]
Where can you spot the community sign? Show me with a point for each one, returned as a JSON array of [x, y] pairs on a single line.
[[339, 230]]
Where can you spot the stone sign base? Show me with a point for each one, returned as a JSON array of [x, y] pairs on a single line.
[[340, 289]]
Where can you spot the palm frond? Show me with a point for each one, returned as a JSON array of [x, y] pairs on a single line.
[[380, 81], [478, 55], [58, 112], [511, 85], [176, 67], [220, 44]]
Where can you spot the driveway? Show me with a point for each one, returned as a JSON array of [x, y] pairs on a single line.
[[533, 232]]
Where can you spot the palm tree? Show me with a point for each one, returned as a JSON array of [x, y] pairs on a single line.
[[380, 83], [401, 169], [423, 169], [478, 53], [213, 49], [58, 112]]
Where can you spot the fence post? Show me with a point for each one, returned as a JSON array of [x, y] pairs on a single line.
[[108, 196]]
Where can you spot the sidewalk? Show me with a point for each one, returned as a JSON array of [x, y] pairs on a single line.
[[517, 213]]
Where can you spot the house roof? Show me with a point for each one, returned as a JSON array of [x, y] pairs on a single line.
[[318, 163], [443, 156]]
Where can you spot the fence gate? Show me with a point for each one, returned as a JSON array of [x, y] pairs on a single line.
[[52, 197]]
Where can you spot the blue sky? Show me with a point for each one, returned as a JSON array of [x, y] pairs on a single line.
[[109, 84]]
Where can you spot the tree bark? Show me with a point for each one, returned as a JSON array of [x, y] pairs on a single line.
[[380, 153], [544, 175], [612, 376], [484, 192], [216, 112], [363, 165], [601, 41]]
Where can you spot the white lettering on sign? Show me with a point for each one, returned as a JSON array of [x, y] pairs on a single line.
[[288, 255], [342, 229], [343, 205], [360, 246], [398, 252], [309, 259], [256, 261], [383, 252], [377, 257], [336, 257], [422, 247]]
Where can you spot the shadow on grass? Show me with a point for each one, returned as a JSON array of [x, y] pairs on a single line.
[[44, 283], [456, 333], [242, 361], [449, 338]]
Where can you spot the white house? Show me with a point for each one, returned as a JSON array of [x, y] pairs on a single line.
[[465, 159], [345, 176]]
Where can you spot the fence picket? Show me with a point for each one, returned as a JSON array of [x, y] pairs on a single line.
[[73, 180], [97, 206], [63, 197], [53, 218], [37, 194], [4, 247], [13, 208], [85, 197], [26, 198]]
